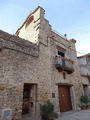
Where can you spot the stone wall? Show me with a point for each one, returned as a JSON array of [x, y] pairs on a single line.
[[19, 66], [52, 40]]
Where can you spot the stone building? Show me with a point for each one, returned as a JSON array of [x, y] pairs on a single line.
[[36, 65], [84, 65]]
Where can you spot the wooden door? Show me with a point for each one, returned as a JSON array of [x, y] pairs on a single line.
[[64, 98]]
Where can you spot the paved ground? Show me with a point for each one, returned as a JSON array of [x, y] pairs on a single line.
[[81, 115]]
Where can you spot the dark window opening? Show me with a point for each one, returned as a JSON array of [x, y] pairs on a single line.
[[60, 53], [0, 50], [53, 95], [88, 60], [85, 88], [64, 75], [31, 104]]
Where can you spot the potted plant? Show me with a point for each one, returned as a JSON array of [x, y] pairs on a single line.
[[84, 102], [47, 111]]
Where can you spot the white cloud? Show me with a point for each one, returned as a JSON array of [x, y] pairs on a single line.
[[83, 49]]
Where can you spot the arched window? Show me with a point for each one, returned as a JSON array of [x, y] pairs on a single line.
[[29, 20]]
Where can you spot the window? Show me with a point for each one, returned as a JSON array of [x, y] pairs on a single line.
[[89, 60], [30, 19], [60, 59], [0, 50], [64, 75], [60, 53]]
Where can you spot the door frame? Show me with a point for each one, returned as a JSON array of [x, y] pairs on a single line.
[[34, 97], [71, 95]]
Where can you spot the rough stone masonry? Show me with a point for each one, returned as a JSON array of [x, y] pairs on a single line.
[[28, 59]]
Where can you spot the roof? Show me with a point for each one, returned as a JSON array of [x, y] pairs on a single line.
[[86, 55]]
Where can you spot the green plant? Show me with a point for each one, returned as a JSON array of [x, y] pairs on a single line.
[[84, 99], [47, 111]]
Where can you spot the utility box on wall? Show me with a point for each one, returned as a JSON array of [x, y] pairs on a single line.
[[6, 114]]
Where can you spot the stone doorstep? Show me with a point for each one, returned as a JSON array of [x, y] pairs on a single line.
[[27, 117]]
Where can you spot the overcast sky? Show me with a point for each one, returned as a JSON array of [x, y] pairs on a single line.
[[66, 16]]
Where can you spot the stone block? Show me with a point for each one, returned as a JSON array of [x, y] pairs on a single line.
[[6, 114]]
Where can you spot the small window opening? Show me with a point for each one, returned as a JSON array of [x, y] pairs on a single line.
[[53, 95], [64, 75], [31, 104], [30, 19], [0, 50], [60, 53]]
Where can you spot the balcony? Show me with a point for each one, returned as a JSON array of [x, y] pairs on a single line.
[[64, 64]]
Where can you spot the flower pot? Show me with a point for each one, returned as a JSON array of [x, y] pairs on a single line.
[[84, 107], [53, 118]]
